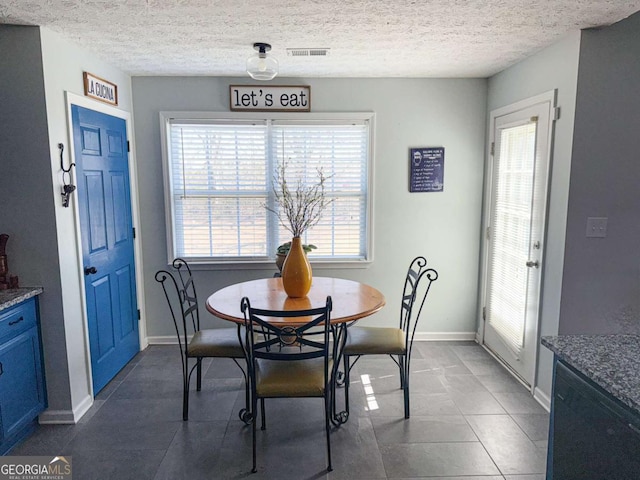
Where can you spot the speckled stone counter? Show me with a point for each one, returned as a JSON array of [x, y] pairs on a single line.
[[611, 361], [9, 298]]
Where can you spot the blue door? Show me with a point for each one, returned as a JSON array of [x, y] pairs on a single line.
[[102, 166]]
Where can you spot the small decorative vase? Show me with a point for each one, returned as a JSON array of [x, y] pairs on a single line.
[[296, 271]]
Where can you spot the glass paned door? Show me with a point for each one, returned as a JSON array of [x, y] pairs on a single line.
[[515, 235]]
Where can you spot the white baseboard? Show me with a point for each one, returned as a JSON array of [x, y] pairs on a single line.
[[542, 398], [444, 336], [56, 417], [66, 417], [419, 337], [162, 340]]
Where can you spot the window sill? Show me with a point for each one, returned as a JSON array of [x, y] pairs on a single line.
[[271, 265]]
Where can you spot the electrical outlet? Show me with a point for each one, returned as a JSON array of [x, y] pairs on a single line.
[[597, 227]]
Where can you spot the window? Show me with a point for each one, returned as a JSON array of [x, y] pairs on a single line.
[[218, 179]]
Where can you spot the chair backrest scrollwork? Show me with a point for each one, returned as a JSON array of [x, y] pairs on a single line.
[[416, 287], [294, 341], [179, 291]]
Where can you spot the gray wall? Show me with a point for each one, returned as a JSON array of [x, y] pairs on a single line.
[[409, 113], [26, 193], [601, 286], [555, 67]]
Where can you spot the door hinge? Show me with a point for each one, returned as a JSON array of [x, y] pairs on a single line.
[[128, 146], [484, 313], [493, 148], [134, 232], [556, 113], [488, 233], [139, 314]]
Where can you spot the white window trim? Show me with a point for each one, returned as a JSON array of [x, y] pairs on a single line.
[[211, 264]]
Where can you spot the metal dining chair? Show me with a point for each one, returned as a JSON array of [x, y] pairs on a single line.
[[395, 342], [180, 292], [288, 361]]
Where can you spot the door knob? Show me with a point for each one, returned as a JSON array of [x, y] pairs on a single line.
[[90, 270], [530, 264]]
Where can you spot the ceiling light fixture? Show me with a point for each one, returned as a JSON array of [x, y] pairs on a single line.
[[259, 65]]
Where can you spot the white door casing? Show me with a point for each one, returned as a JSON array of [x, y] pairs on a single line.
[[515, 221], [75, 99]]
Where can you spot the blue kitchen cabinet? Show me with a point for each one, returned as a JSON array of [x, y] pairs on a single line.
[[22, 392]]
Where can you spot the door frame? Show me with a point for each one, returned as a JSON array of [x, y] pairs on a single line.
[[551, 98], [74, 99]]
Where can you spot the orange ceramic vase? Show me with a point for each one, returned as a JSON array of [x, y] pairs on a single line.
[[296, 271]]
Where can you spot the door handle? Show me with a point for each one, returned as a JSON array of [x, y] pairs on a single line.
[[532, 264], [90, 270]]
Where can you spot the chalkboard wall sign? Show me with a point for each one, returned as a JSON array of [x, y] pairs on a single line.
[[427, 169]]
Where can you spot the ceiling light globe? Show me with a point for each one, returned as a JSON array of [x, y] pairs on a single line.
[[261, 66]]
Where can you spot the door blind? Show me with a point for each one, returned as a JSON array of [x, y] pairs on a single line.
[[511, 233]]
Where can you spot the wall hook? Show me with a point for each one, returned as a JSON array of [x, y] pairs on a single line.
[[67, 188], [65, 170]]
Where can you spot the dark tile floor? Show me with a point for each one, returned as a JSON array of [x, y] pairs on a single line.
[[470, 420]]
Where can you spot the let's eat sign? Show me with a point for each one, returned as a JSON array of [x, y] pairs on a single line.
[[272, 98]]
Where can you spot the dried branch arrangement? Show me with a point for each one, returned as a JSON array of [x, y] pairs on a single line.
[[302, 208]]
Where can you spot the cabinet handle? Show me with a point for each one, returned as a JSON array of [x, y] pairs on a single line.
[[1, 369], [16, 321]]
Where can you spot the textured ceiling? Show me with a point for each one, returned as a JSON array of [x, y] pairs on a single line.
[[370, 38]]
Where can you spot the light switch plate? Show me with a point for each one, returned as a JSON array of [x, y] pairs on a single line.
[[597, 227]]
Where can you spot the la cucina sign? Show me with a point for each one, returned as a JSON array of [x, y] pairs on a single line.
[[100, 89]]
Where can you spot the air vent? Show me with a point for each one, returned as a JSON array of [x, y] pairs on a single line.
[[307, 52]]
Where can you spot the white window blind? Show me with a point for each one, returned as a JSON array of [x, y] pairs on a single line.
[[511, 233], [220, 175], [340, 152]]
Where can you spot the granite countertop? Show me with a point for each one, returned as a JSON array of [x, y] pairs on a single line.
[[14, 296], [611, 361]]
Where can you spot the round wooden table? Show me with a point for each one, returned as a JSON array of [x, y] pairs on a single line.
[[351, 300]]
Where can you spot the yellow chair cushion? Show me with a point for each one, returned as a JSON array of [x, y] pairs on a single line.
[[216, 342], [293, 378], [374, 341]]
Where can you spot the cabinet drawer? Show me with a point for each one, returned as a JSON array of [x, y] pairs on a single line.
[[17, 319]]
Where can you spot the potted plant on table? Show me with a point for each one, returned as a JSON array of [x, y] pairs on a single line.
[[298, 210]]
